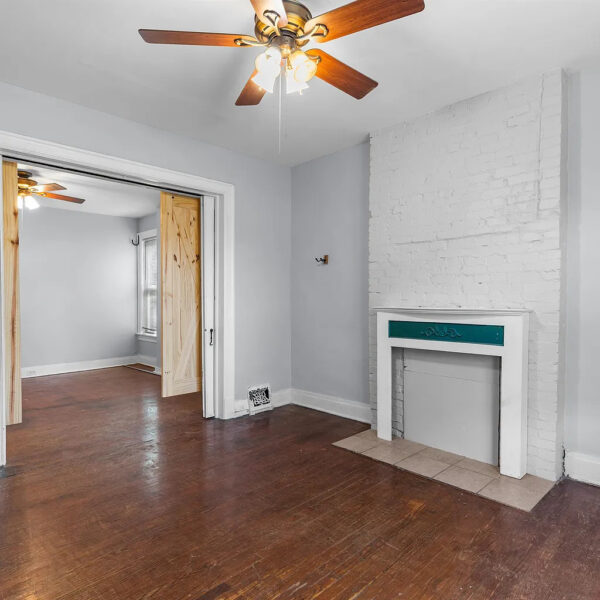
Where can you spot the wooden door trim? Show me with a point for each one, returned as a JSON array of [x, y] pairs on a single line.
[[11, 340]]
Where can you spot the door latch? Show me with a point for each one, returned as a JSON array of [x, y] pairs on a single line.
[[211, 342]]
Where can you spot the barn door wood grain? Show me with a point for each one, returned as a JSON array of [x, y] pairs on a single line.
[[181, 293], [10, 299]]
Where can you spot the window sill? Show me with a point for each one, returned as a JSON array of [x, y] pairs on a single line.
[[145, 337]]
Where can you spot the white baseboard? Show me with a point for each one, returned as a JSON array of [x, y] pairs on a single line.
[[350, 409], [85, 365], [240, 407], [150, 361], [357, 411], [282, 397], [146, 360], [583, 467], [279, 398]]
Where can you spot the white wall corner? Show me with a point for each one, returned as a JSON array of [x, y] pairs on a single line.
[[563, 309], [349, 409], [582, 467], [146, 360], [282, 397]]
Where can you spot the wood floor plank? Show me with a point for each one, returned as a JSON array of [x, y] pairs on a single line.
[[113, 493]]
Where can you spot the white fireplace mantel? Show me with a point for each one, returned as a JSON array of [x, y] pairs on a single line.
[[502, 333]]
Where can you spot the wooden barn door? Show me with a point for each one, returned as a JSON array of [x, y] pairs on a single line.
[[181, 293], [11, 349]]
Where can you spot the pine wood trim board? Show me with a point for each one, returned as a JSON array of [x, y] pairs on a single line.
[[10, 300]]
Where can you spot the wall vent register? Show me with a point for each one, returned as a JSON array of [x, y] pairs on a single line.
[[259, 399]]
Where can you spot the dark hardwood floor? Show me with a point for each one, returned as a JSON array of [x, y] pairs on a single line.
[[112, 493]]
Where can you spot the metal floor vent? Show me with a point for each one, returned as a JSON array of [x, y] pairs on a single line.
[[259, 399]]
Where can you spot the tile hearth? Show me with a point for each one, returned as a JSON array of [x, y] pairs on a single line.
[[461, 472]]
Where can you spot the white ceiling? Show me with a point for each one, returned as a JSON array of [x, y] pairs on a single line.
[[90, 53], [102, 196]]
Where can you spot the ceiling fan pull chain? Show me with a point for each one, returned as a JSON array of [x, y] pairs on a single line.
[[280, 94]]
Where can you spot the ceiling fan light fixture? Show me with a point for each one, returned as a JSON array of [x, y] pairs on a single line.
[[269, 60], [27, 201], [268, 67], [289, 25], [265, 80], [31, 203], [304, 68], [292, 85]]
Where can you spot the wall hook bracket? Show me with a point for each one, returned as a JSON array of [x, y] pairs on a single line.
[[323, 260], [135, 241]]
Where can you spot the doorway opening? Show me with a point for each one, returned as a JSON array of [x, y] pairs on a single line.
[[85, 283]]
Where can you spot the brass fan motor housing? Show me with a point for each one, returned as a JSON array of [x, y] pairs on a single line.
[[25, 183], [297, 15]]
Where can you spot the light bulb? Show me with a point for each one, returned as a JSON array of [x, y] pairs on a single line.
[[269, 61], [303, 66], [266, 80], [31, 203], [268, 66], [292, 84]]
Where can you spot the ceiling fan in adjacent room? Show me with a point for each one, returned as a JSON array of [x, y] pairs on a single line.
[[28, 188], [283, 28]]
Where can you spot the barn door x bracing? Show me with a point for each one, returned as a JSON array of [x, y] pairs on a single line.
[[181, 294]]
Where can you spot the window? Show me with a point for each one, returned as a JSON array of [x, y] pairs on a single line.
[[147, 284]]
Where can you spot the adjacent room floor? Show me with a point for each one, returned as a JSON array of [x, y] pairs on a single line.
[[112, 493]]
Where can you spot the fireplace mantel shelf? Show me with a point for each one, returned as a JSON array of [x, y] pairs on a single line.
[[458, 311]]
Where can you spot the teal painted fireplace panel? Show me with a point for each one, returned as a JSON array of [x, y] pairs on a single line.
[[465, 333]]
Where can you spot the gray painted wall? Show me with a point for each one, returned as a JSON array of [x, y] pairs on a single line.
[[78, 287], [262, 217], [330, 215], [330, 198], [582, 414], [146, 348]]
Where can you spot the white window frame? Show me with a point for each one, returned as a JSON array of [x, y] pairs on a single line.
[[143, 236]]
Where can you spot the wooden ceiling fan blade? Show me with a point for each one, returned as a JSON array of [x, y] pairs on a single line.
[[342, 76], [49, 187], [260, 6], [363, 14], [190, 38], [61, 197], [252, 94]]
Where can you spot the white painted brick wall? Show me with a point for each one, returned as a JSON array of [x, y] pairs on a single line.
[[398, 391], [465, 210]]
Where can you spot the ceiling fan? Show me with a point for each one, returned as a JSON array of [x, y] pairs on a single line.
[[28, 188], [284, 27]]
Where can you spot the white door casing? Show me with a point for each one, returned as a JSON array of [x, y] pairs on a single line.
[[14, 146], [208, 307]]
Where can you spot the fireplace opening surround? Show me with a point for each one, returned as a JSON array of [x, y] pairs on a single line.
[[502, 333]]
